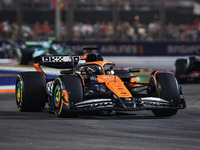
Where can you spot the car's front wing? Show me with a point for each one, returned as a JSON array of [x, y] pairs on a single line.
[[145, 103]]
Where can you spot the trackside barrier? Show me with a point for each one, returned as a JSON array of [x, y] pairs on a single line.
[[141, 48], [128, 48]]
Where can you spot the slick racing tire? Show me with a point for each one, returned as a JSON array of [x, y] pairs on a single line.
[[168, 89], [67, 91], [31, 91], [181, 67], [22, 57]]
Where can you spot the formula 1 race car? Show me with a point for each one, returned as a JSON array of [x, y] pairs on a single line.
[[187, 69], [94, 85]]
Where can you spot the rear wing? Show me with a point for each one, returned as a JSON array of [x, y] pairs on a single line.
[[60, 62], [90, 49]]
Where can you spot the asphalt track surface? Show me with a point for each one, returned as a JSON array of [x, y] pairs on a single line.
[[122, 131]]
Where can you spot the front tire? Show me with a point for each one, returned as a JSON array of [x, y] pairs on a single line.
[[67, 91], [168, 89]]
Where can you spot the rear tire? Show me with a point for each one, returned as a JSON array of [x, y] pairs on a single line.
[[181, 67], [31, 91], [67, 91], [168, 89], [22, 57]]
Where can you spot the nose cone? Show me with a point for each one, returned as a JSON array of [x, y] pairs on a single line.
[[115, 84]]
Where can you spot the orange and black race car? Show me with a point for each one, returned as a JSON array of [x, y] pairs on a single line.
[[94, 85]]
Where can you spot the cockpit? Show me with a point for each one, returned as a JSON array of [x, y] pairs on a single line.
[[95, 69]]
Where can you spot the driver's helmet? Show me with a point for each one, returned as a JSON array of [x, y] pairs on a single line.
[[94, 70]]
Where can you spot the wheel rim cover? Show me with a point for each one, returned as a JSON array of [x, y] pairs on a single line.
[[57, 96], [18, 92]]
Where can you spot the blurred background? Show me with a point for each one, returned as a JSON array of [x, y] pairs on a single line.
[[100, 20], [117, 27]]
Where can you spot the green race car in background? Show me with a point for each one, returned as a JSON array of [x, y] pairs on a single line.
[[31, 49]]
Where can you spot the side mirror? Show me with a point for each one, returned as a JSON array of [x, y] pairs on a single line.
[[134, 70]]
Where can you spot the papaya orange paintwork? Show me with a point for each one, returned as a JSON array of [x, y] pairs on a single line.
[[65, 95], [133, 80], [155, 75], [115, 84], [81, 78], [38, 69], [83, 57]]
